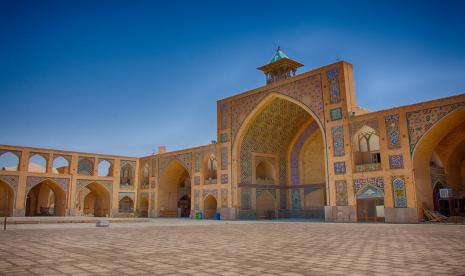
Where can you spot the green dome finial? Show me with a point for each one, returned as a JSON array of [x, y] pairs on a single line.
[[278, 55]]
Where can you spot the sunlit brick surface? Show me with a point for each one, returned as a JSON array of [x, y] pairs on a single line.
[[232, 248]]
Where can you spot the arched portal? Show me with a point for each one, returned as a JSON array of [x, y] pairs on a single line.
[[46, 199], [370, 204], [94, 200], [126, 205], [174, 182], [6, 199], [184, 205], [209, 206], [437, 164], [279, 129]]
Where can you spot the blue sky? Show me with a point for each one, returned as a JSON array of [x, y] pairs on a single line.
[[123, 77]]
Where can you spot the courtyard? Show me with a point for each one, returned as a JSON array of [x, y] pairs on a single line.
[[181, 246]]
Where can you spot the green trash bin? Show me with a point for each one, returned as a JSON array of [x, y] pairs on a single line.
[[198, 215]]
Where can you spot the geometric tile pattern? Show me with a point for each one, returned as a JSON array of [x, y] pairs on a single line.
[[334, 94], [295, 199], [400, 195], [85, 165], [184, 158], [307, 91], [224, 138], [361, 183], [420, 121], [271, 132], [224, 179], [224, 115], [196, 180], [338, 140], [12, 180], [339, 167], [246, 198], [197, 162], [84, 182], [213, 192], [370, 192], [196, 200], [295, 179], [335, 114], [31, 181], [392, 130], [224, 158], [341, 193], [396, 161], [122, 195]]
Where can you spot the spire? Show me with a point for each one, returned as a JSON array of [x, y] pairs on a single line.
[[280, 67]]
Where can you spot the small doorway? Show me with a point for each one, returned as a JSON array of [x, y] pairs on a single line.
[[370, 205], [210, 205], [184, 205]]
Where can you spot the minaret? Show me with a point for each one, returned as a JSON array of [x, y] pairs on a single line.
[[280, 67]]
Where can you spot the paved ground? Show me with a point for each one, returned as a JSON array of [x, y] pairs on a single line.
[[173, 246]]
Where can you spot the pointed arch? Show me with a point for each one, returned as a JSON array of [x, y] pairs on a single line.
[[174, 181], [295, 109], [210, 205], [94, 199], [7, 199], [426, 175], [46, 198]]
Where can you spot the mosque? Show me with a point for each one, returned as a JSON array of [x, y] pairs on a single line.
[[297, 147]]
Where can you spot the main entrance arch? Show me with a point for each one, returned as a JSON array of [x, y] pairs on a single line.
[[46, 198], [6, 199], [439, 162], [289, 136], [174, 183], [94, 200]]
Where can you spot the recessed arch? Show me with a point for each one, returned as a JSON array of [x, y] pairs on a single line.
[[94, 200], [7, 198], [265, 172], [261, 119], [423, 155], [174, 182], [46, 198], [126, 205], [210, 205], [366, 149]]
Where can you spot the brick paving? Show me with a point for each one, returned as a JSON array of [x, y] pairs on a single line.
[[181, 247]]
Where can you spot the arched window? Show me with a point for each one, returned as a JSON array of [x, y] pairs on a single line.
[[85, 166], [60, 165], [9, 161], [37, 163], [367, 156], [265, 173], [210, 172], [105, 168], [127, 175], [145, 175], [126, 205]]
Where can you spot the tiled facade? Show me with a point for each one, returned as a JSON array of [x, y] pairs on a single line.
[[275, 122]]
